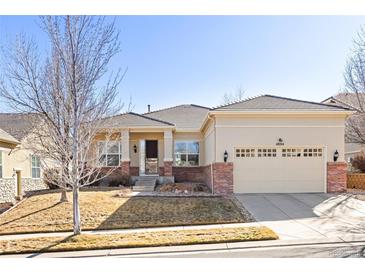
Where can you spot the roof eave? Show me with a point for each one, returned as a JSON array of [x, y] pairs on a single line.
[[283, 112]]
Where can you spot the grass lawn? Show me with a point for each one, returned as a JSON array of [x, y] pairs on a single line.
[[161, 238], [104, 210]]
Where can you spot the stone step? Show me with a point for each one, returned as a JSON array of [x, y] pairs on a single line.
[[145, 183], [143, 189]]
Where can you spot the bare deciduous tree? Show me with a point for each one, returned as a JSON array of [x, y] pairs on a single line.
[[70, 93], [229, 98], [355, 83]]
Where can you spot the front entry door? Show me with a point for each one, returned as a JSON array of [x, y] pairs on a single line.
[[151, 164]]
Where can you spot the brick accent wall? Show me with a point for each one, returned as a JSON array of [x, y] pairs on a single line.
[[167, 168], [223, 178], [134, 171], [125, 168], [336, 177], [207, 171], [189, 174]]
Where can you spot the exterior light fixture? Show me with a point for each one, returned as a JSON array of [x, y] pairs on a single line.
[[335, 156], [225, 156], [135, 148]]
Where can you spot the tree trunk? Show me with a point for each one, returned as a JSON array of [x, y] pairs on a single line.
[[76, 211], [64, 196]]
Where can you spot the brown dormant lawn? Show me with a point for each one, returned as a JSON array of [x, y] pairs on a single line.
[[141, 239], [105, 210]]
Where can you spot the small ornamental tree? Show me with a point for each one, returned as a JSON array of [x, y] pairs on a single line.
[[69, 92]]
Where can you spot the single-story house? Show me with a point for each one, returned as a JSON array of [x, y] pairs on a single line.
[[265, 144], [20, 168], [348, 100]]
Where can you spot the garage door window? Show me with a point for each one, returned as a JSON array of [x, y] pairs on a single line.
[[266, 152], [291, 152], [312, 152], [245, 152]]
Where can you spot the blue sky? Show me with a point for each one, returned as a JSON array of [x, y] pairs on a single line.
[[196, 59]]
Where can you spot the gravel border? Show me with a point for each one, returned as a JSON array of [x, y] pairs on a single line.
[[247, 215]]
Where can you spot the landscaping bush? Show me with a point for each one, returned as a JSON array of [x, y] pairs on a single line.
[[184, 187], [359, 162]]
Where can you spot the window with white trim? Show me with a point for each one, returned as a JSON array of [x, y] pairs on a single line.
[[186, 153], [245, 152], [1, 164], [110, 153], [36, 167], [312, 152], [291, 152], [266, 152]]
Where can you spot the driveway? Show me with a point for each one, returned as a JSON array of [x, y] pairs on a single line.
[[309, 216]]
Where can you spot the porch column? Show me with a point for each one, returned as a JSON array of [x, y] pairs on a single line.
[[125, 161], [168, 149]]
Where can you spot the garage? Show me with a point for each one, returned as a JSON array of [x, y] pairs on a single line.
[[294, 169]]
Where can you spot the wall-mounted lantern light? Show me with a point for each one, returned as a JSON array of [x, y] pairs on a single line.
[[335, 156], [225, 156], [135, 148]]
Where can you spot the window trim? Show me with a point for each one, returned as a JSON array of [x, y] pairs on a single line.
[[35, 167], [106, 153], [186, 141]]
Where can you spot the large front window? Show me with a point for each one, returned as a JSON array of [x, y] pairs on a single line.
[[110, 153], [186, 153], [36, 167]]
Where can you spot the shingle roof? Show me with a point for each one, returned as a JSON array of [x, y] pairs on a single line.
[[183, 116], [345, 99], [17, 125], [271, 102], [132, 119], [4, 136]]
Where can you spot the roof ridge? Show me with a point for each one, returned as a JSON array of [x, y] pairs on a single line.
[[303, 101], [238, 101], [150, 118], [162, 109]]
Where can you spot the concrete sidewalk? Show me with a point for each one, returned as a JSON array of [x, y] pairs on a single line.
[[188, 250]]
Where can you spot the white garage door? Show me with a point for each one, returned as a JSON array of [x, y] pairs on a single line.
[[279, 170]]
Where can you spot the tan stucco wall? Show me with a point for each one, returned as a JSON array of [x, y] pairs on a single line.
[[209, 143], [265, 131], [280, 174], [19, 159]]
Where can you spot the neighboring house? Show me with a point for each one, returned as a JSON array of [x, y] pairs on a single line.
[[20, 169], [271, 144], [347, 100]]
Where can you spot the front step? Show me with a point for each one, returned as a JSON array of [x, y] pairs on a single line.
[[145, 184]]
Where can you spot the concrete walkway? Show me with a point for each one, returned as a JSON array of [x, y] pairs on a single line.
[[308, 216]]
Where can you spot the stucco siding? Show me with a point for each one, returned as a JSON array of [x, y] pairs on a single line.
[[209, 143], [237, 132], [279, 174]]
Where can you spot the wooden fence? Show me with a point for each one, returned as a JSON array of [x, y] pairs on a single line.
[[356, 180]]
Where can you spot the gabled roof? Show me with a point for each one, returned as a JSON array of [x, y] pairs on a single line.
[[16, 124], [345, 99], [7, 138], [271, 102], [187, 116], [131, 119]]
